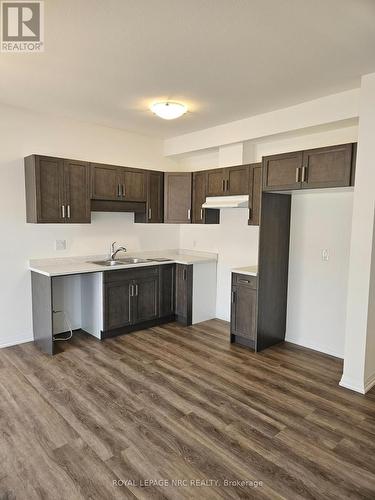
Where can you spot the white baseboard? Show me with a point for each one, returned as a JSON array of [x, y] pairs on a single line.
[[369, 382], [315, 347], [9, 342], [353, 385]]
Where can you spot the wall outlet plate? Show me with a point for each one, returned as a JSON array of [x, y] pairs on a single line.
[[60, 245]]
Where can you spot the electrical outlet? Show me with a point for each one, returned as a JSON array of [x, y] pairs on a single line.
[[325, 254], [60, 245]]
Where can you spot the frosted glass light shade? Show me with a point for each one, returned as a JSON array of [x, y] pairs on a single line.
[[168, 110]]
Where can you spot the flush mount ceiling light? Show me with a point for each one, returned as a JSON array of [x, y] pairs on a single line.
[[168, 110]]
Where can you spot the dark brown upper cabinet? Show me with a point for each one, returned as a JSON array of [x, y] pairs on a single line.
[[255, 193], [326, 167], [57, 190], [228, 181], [77, 191], [110, 182], [155, 199], [282, 172], [201, 215], [177, 197]]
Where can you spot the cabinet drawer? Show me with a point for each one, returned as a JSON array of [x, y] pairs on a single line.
[[130, 274], [245, 280]]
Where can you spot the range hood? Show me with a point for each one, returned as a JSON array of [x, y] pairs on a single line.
[[227, 202]]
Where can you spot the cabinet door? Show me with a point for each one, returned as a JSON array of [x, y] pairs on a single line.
[[177, 197], [327, 167], [155, 197], [237, 180], [166, 289], [133, 184], [243, 312], [184, 293], [216, 182], [106, 180], [117, 304], [199, 196], [77, 191], [49, 189], [282, 172], [255, 193], [145, 305]]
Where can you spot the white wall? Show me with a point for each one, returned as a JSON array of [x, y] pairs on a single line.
[[234, 241], [359, 365], [318, 221], [325, 110], [317, 289], [23, 133]]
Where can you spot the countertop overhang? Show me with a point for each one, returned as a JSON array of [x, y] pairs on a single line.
[[65, 266], [249, 270]]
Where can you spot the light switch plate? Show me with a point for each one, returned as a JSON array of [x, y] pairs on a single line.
[[60, 245], [325, 254]]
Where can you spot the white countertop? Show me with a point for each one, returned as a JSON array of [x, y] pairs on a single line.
[[79, 265], [249, 270]]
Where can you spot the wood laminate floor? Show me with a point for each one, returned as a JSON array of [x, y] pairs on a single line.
[[168, 404]]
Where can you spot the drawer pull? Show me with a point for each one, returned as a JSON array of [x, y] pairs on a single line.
[[244, 281]]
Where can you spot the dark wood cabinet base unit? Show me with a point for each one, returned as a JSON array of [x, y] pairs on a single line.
[[273, 269], [184, 294], [243, 323], [259, 304], [41, 290]]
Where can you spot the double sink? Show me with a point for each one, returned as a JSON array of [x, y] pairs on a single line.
[[126, 260]]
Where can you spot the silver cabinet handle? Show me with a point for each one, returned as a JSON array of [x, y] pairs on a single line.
[[149, 213], [201, 213], [223, 184], [227, 183], [136, 290], [68, 211], [304, 174], [243, 281], [63, 211], [188, 213], [118, 190], [131, 290], [233, 297], [297, 174], [123, 190]]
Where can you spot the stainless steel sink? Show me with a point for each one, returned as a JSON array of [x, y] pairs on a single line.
[[121, 262], [107, 263], [134, 260]]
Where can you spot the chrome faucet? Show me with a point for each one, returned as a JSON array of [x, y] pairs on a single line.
[[115, 252]]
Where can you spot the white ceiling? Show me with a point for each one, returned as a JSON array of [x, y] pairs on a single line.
[[106, 60]]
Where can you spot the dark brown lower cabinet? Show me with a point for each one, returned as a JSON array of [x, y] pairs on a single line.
[[184, 294], [243, 322], [117, 305], [146, 296], [166, 290]]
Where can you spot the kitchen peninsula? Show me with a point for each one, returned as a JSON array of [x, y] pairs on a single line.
[[165, 286]]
